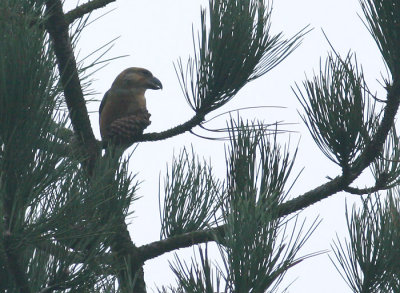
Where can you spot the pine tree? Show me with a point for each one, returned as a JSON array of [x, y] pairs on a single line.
[[64, 200]]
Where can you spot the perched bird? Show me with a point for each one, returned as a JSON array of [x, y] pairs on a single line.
[[123, 113]]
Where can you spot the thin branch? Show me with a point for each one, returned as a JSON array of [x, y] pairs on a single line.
[[60, 131], [196, 120], [60, 252], [362, 191], [187, 126], [60, 149], [83, 9], [72, 256], [368, 190]]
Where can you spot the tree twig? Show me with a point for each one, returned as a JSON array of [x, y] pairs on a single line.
[[72, 256], [361, 191], [368, 190], [187, 126], [83, 9]]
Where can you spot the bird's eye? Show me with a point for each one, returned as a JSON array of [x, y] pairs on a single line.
[[145, 73]]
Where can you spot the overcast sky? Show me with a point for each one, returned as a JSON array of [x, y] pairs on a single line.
[[155, 33]]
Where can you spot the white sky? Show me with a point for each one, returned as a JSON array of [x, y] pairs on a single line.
[[155, 33]]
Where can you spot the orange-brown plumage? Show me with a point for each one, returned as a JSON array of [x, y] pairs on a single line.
[[123, 112]]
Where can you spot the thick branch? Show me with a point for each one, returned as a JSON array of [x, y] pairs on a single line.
[[158, 248], [57, 27], [58, 30], [374, 148], [126, 253], [85, 8]]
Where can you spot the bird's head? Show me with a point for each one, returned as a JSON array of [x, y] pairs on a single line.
[[136, 78]]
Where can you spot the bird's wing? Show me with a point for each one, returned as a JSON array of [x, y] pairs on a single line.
[[103, 101]]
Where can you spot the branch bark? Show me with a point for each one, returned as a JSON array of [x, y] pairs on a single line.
[[130, 267], [187, 126], [153, 136], [158, 248], [57, 27], [362, 191], [85, 8]]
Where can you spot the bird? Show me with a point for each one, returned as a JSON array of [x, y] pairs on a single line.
[[123, 114]]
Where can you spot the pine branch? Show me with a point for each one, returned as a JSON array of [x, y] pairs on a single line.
[[76, 257], [158, 248], [371, 151], [381, 183], [13, 263], [152, 136], [127, 258], [60, 131], [187, 126], [196, 120], [86, 8], [368, 190], [60, 252], [365, 262], [57, 282], [340, 183], [375, 146], [57, 27]]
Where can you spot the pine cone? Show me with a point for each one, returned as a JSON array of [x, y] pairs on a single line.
[[126, 129]]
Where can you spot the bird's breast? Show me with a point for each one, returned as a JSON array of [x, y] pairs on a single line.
[[133, 103], [127, 104]]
